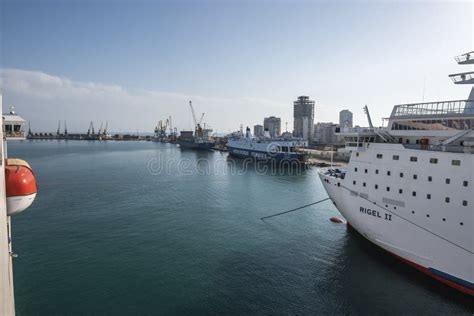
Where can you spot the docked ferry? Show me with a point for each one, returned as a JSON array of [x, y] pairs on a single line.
[[278, 149], [408, 187]]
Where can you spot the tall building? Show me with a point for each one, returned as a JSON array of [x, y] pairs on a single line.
[[303, 114], [345, 118], [258, 130], [272, 125], [325, 134]]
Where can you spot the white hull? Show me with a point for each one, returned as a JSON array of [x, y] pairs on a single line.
[[435, 235]]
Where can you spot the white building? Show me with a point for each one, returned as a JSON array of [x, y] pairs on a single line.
[[325, 133]]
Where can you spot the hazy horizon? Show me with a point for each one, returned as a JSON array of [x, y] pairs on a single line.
[[135, 63]]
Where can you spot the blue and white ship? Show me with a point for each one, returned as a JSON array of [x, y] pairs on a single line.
[[279, 149]]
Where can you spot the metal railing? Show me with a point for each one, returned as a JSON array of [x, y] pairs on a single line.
[[441, 108], [446, 148]]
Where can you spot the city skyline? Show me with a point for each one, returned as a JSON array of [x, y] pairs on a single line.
[[136, 63]]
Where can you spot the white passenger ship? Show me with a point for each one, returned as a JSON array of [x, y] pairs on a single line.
[[284, 149], [408, 187]]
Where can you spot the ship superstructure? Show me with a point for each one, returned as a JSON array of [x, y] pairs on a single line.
[[408, 187]]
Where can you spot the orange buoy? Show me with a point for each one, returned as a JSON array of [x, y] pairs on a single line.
[[20, 185], [336, 220]]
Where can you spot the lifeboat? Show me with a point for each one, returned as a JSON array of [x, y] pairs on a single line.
[[20, 186]]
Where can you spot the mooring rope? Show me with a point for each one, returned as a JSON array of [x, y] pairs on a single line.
[[294, 209]]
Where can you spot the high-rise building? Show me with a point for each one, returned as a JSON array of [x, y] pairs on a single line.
[[272, 125], [345, 118], [258, 130], [303, 114]]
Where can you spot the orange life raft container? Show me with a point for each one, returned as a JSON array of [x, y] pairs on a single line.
[[20, 185]]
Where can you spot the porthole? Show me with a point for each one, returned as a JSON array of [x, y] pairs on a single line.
[[448, 181], [447, 200], [376, 186], [415, 177], [444, 219], [388, 173], [427, 215], [461, 223], [413, 193], [401, 174], [355, 169], [376, 171], [430, 178], [353, 182], [363, 184], [413, 212], [464, 183], [464, 203], [366, 170], [400, 191], [428, 196], [388, 189]]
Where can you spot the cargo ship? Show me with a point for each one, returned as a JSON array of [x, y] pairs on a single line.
[[200, 138]]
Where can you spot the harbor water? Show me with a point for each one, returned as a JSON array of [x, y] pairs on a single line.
[[126, 228]]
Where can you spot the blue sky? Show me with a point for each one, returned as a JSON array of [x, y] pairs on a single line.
[[135, 62]]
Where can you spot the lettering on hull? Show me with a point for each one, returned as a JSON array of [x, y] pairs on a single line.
[[375, 213]]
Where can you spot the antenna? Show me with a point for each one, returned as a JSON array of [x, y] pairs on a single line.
[[65, 128], [59, 128]]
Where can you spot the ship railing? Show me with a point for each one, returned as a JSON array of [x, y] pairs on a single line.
[[441, 108], [467, 58], [445, 148]]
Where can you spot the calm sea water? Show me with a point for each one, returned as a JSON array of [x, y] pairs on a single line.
[[114, 231]]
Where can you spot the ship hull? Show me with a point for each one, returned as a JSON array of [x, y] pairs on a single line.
[[403, 232], [195, 146], [291, 158]]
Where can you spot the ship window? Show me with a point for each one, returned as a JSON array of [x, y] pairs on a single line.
[[388, 189], [400, 191], [433, 160], [379, 156], [396, 157], [461, 223], [388, 173], [415, 176], [353, 182], [376, 186], [357, 154], [376, 171], [355, 169], [456, 162], [464, 183], [413, 193], [464, 203], [448, 181], [366, 170], [363, 184], [428, 196], [447, 200], [430, 178], [413, 159], [401, 174]]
